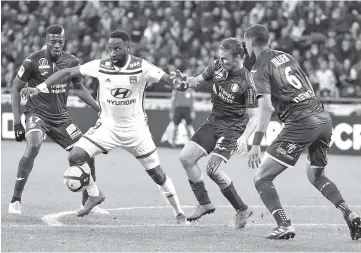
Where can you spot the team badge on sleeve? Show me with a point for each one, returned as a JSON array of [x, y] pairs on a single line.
[[133, 79]]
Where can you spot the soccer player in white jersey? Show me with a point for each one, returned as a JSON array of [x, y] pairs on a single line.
[[122, 122]]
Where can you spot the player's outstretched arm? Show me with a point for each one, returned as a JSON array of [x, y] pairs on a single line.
[[265, 110], [176, 80], [196, 82], [251, 125], [84, 94], [16, 99], [15, 104], [60, 76]]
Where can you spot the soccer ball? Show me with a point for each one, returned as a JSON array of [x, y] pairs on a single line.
[[76, 179]]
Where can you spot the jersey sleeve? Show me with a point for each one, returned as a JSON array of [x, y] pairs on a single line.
[[25, 72], [208, 72], [90, 68], [261, 82], [250, 93], [75, 63], [152, 73]]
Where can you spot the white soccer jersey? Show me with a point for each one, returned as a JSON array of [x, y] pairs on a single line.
[[121, 90]]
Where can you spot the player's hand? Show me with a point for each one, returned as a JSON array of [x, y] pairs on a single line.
[[242, 147], [29, 91], [179, 80], [254, 158], [19, 132]]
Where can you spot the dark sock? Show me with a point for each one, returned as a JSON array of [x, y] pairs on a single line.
[[344, 209], [231, 194], [330, 191], [15, 199], [91, 164], [200, 192], [24, 169], [270, 198], [280, 217]]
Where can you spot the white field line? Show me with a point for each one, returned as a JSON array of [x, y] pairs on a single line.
[[52, 219], [324, 225]]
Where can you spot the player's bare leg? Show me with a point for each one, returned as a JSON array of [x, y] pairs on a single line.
[[225, 184], [189, 156], [78, 156], [33, 140], [316, 176], [263, 180], [165, 185]]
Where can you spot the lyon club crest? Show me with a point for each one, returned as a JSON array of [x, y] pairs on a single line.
[[133, 79]]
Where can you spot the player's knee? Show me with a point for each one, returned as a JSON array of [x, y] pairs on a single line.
[[158, 175], [32, 150], [77, 156], [261, 174], [187, 159]]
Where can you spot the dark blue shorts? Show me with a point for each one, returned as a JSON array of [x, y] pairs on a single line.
[[294, 140], [219, 140], [64, 134]]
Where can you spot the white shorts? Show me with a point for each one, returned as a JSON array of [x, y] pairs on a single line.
[[105, 136]]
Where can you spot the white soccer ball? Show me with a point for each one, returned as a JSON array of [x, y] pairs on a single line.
[[76, 179]]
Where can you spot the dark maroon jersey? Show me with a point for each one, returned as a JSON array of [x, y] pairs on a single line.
[[232, 93], [36, 69], [279, 74]]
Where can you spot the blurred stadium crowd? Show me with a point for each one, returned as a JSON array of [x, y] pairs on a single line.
[[324, 36]]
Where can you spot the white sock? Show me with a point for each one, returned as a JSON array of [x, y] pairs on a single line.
[[92, 188], [169, 193]]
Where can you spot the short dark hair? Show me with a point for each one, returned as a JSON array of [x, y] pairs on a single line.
[[234, 45], [259, 35], [119, 34], [55, 29]]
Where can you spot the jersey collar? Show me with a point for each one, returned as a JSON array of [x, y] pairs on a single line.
[[126, 64]]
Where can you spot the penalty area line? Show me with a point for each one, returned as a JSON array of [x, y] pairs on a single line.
[[52, 220]]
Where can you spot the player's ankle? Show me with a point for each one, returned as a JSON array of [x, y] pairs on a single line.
[[286, 223], [15, 199], [93, 190]]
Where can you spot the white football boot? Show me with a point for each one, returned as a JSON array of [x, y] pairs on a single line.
[[97, 210], [15, 207]]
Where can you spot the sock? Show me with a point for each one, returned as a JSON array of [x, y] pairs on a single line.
[[344, 209], [280, 216], [170, 194], [231, 194], [24, 169], [200, 192], [269, 197], [92, 188], [92, 172], [330, 191]]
